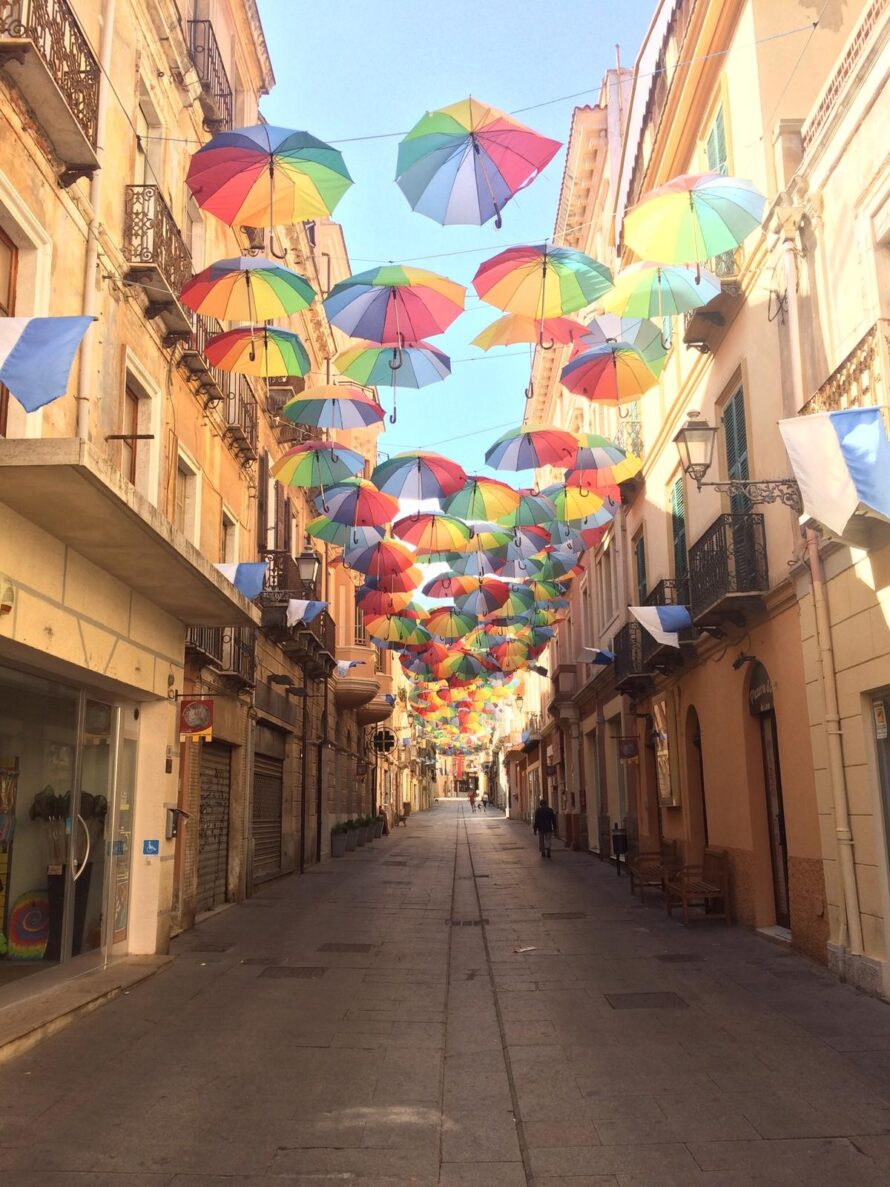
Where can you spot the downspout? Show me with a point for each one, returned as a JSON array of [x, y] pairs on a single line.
[[851, 920], [91, 258], [319, 786], [304, 771]]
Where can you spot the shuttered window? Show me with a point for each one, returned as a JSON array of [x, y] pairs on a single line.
[[262, 510], [678, 529], [718, 157], [735, 438], [640, 568]]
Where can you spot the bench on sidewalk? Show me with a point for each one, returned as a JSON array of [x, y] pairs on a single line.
[[651, 868], [706, 885], [400, 818]]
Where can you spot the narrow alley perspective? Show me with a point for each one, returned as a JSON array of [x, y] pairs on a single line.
[[484, 1018]]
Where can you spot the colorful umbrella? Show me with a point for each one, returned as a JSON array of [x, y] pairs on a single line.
[[332, 407], [574, 504], [343, 534], [532, 446], [356, 501], [258, 350], [419, 475], [614, 373], [479, 563], [449, 585], [693, 217], [598, 481], [379, 602], [660, 290], [482, 498], [541, 282], [267, 177], [447, 622], [511, 329], [463, 163], [394, 303], [381, 559], [316, 463], [412, 364], [604, 456], [432, 532], [488, 595], [247, 289], [395, 628], [410, 579], [639, 332], [531, 511]]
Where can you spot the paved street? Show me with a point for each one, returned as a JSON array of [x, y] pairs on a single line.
[[378, 1022]]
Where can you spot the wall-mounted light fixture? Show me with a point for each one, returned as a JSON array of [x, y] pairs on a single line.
[[695, 445]]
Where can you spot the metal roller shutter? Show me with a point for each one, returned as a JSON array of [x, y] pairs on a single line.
[[213, 824], [268, 783]]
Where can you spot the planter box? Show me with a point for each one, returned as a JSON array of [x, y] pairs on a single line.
[[351, 840], [369, 833], [378, 828], [338, 844], [360, 835]]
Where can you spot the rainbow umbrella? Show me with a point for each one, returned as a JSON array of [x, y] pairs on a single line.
[[525, 543], [247, 289], [595, 453], [449, 585], [541, 282], [357, 502], [693, 217], [574, 504], [342, 534], [316, 463], [614, 373], [395, 628], [381, 559], [531, 446], [378, 602], [598, 481], [394, 303], [487, 596], [332, 407], [531, 511], [489, 537], [258, 350], [660, 290], [519, 599], [419, 475], [411, 365], [432, 532], [638, 332], [544, 590], [479, 563], [267, 177], [512, 329], [482, 498], [410, 579], [448, 622]]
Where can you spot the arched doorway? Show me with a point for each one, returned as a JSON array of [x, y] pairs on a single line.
[[695, 782], [761, 706]]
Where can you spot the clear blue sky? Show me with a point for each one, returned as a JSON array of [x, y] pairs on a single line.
[[352, 68]]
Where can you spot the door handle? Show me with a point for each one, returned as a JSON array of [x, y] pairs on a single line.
[[78, 870]]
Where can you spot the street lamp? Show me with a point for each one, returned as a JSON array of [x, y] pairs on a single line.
[[308, 565], [695, 445]]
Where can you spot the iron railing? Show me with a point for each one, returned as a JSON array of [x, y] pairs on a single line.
[[207, 641], [208, 62], [215, 382], [230, 649], [728, 560], [242, 414], [152, 240], [282, 583], [672, 591], [629, 437], [53, 28], [628, 649], [861, 379]]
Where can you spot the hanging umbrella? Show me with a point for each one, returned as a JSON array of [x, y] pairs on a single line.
[[512, 329], [342, 534], [381, 559], [247, 289], [519, 599], [394, 628], [693, 218], [596, 481], [532, 510], [612, 374], [449, 585], [638, 332], [394, 303], [419, 475], [332, 407], [595, 453], [544, 590], [525, 543], [530, 447], [487, 596], [447, 622], [378, 602], [574, 504], [409, 365], [660, 290], [432, 532], [410, 579], [258, 350], [482, 498], [479, 563], [541, 282], [356, 501], [316, 463], [463, 163], [267, 177]]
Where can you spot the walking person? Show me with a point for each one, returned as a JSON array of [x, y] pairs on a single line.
[[545, 826], [484, 803]]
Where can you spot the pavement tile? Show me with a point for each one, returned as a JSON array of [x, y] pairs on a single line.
[[492, 1174]]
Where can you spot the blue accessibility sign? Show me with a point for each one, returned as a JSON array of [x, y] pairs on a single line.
[[151, 848]]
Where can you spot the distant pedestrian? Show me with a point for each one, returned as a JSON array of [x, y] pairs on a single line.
[[545, 826], [484, 803], [472, 799]]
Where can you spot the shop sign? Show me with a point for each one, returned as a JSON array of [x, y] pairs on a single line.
[[760, 691], [196, 719], [879, 712]]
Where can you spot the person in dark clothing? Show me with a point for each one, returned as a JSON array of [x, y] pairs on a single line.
[[545, 826]]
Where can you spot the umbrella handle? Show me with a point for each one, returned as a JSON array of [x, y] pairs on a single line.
[[397, 360], [545, 345], [530, 391], [278, 255], [498, 221]]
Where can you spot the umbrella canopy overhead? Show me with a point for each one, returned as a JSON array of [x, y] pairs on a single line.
[[394, 303], [463, 163], [512, 329], [419, 475], [258, 350], [356, 501], [395, 628], [447, 622], [381, 559], [530, 447], [543, 281], [641, 333], [316, 463], [482, 498], [343, 534], [660, 290], [614, 373], [247, 289], [599, 453], [432, 532], [332, 407], [410, 365], [265, 176]]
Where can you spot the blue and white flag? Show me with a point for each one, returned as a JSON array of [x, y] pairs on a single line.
[[301, 610], [345, 666], [596, 655], [663, 623], [247, 578], [36, 354], [841, 461]]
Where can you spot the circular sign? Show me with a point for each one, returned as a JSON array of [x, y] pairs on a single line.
[[384, 741], [196, 715]]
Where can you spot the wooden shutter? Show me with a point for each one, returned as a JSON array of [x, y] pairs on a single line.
[[262, 494], [678, 529], [735, 437], [640, 563], [718, 161]]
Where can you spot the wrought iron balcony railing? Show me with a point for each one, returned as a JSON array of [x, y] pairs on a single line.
[[231, 650], [242, 414], [53, 29], [728, 565], [207, 641], [213, 383], [283, 583], [672, 591], [155, 249], [629, 437], [628, 649], [216, 91], [861, 379]]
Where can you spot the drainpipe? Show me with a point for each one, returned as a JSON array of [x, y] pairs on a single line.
[[319, 786], [304, 770], [91, 259]]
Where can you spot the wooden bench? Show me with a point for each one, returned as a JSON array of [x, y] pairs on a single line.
[[706, 885], [652, 867]]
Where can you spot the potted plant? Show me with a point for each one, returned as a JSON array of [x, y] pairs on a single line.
[[379, 821], [338, 840], [369, 828], [360, 830], [351, 836]]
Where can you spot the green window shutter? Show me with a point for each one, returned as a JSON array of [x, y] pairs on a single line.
[[678, 529], [640, 565], [718, 161], [735, 436]]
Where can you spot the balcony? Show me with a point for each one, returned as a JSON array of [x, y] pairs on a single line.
[[630, 671], [157, 257], [703, 329], [380, 708], [241, 415], [310, 644], [46, 55], [359, 685], [278, 393], [861, 379], [205, 644], [727, 568], [216, 91], [669, 592], [213, 383], [231, 650]]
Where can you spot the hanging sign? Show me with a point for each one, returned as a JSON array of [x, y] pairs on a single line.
[[196, 719], [879, 712], [628, 749], [760, 691]]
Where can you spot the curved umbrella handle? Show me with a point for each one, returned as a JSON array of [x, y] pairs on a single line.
[[278, 255], [397, 360], [530, 391], [498, 221]]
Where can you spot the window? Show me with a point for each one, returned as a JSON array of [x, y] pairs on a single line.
[[678, 529], [8, 264], [735, 442], [228, 538], [129, 429], [185, 505], [639, 545], [606, 588], [359, 627], [715, 147]]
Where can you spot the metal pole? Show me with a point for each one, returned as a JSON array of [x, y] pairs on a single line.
[[303, 774], [319, 788]]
